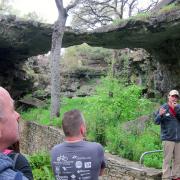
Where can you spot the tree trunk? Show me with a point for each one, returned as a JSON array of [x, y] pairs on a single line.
[[57, 37], [114, 60]]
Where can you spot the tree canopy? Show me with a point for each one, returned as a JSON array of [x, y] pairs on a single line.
[[90, 14]]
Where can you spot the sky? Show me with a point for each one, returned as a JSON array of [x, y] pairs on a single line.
[[44, 8]]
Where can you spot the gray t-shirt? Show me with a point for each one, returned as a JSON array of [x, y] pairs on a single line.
[[77, 161]]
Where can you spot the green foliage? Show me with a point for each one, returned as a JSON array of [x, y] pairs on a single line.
[[119, 103], [141, 16], [112, 105], [94, 52], [131, 146], [78, 56], [119, 21], [33, 16], [41, 166], [169, 8], [5, 6], [146, 15], [40, 115]]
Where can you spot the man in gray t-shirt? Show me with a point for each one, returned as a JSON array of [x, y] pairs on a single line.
[[76, 159]]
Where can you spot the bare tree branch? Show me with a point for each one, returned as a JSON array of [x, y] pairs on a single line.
[[72, 5], [153, 3], [102, 12]]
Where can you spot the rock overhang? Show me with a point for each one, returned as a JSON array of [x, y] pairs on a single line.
[[22, 39]]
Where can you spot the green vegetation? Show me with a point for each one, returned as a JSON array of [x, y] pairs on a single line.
[[169, 8], [141, 16], [5, 7], [41, 116], [79, 56], [106, 113], [146, 15], [41, 167]]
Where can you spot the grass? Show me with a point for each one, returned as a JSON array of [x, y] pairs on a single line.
[[105, 116], [42, 115]]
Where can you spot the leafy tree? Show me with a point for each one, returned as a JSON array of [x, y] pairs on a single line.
[[90, 14], [94, 13], [33, 16], [79, 56], [5, 6]]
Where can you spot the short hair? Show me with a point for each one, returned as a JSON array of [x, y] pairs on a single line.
[[71, 122]]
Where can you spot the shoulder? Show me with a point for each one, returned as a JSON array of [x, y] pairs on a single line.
[[5, 162], [177, 109], [18, 158], [178, 106], [93, 145], [6, 165], [21, 157], [57, 147]]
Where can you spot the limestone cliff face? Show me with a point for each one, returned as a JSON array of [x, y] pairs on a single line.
[[158, 34], [20, 40]]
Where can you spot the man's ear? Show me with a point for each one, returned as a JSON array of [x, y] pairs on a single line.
[[83, 129]]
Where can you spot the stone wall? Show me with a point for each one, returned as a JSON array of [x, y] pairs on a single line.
[[37, 138]]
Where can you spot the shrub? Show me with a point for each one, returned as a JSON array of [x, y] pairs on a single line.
[[112, 105], [115, 104], [41, 167]]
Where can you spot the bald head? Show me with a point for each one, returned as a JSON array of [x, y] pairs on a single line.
[[71, 123], [9, 131]]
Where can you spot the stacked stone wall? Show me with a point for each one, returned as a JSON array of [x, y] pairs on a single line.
[[37, 138]]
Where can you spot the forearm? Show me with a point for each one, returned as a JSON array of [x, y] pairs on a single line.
[[158, 119]]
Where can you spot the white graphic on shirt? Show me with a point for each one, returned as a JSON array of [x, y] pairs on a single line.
[[62, 177], [84, 158], [78, 164], [84, 174], [57, 169], [87, 165], [73, 176], [86, 178], [74, 157], [64, 168], [62, 158], [81, 171]]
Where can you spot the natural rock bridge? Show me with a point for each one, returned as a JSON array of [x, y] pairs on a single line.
[[158, 34]]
